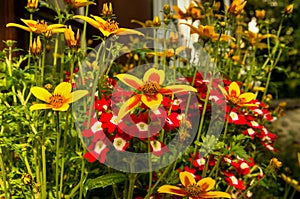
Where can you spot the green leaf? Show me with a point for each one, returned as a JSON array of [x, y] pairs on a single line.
[[104, 181]]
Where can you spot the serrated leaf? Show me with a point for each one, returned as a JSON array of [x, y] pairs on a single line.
[[104, 181]]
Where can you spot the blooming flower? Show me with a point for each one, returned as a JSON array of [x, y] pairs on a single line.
[[39, 27], [59, 100], [79, 3], [235, 97], [193, 189], [151, 92], [106, 27], [208, 32], [237, 7]]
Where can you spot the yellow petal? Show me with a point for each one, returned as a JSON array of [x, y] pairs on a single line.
[[29, 22], [41, 93], [130, 80], [76, 95], [64, 107], [179, 49], [55, 26], [18, 26], [215, 194], [186, 178], [172, 190], [206, 184], [126, 31], [58, 30], [152, 102], [127, 106], [98, 19], [63, 89], [247, 97], [177, 89], [154, 75], [39, 106], [234, 89], [89, 20]]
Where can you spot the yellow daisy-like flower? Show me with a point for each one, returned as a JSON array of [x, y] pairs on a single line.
[[106, 27], [59, 100], [39, 27], [237, 7], [208, 32], [150, 89], [235, 97], [193, 189]]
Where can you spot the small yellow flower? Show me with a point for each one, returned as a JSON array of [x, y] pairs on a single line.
[[39, 27], [260, 14], [70, 37], [79, 3], [32, 4], [156, 21], [26, 178], [275, 163], [59, 100], [108, 27], [289, 9], [208, 32], [193, 11], [193, 189], [107, 10], [150, 88], [36, 46], [235, 97], [236, 7]]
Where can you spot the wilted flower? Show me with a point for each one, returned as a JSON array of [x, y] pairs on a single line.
[[70, 37]]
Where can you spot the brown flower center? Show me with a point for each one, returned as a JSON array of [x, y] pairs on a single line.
[[111, 26], [193, 190], [57, 101], [150, 88], [41, 27]]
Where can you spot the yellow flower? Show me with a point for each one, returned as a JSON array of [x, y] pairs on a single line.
[[70, 37], [168, 53], [106, 27], [39, 27], [255, 38], [156, 21], [237, 7], [289, 9], [32, 4], [59, 100], [150, 89], [208, 32], [260, 14], [36, 46], [107, 10], [192, 11], [235, 97], [275, 163], [26, 178], [193, 189], [79, 3]]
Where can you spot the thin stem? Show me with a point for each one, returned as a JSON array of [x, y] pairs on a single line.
[[3, 172], [57, 154]]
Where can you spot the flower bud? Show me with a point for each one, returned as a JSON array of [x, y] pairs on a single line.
[[167, 9], [289, 9], [156, 21]]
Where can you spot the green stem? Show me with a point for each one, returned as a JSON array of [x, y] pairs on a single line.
[[44, 182], [82, 177], [83, 40], [4, 174], [132, 178], [57, 155], [43, 61], [30, 42]]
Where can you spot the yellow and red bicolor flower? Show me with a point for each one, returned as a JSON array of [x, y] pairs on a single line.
[[39, 27], [235, 97], [106, 27], [236, 7], [150, 90], [193, 189], [59, 100]]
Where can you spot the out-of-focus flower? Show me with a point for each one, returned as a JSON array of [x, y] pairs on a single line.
[[236, 7], [275, 163], [255, 39], [107, 10], [193, 12], [252, 26], [39, 27], [193, 189], [156, 21], [168, 53], [59, 100], [106, 27], [151, 92], [289, 9], [260, 14], [32, 4], [36, 46], [208, 32], [72, 41], [235, 97], [79, 3], [26, 178]]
